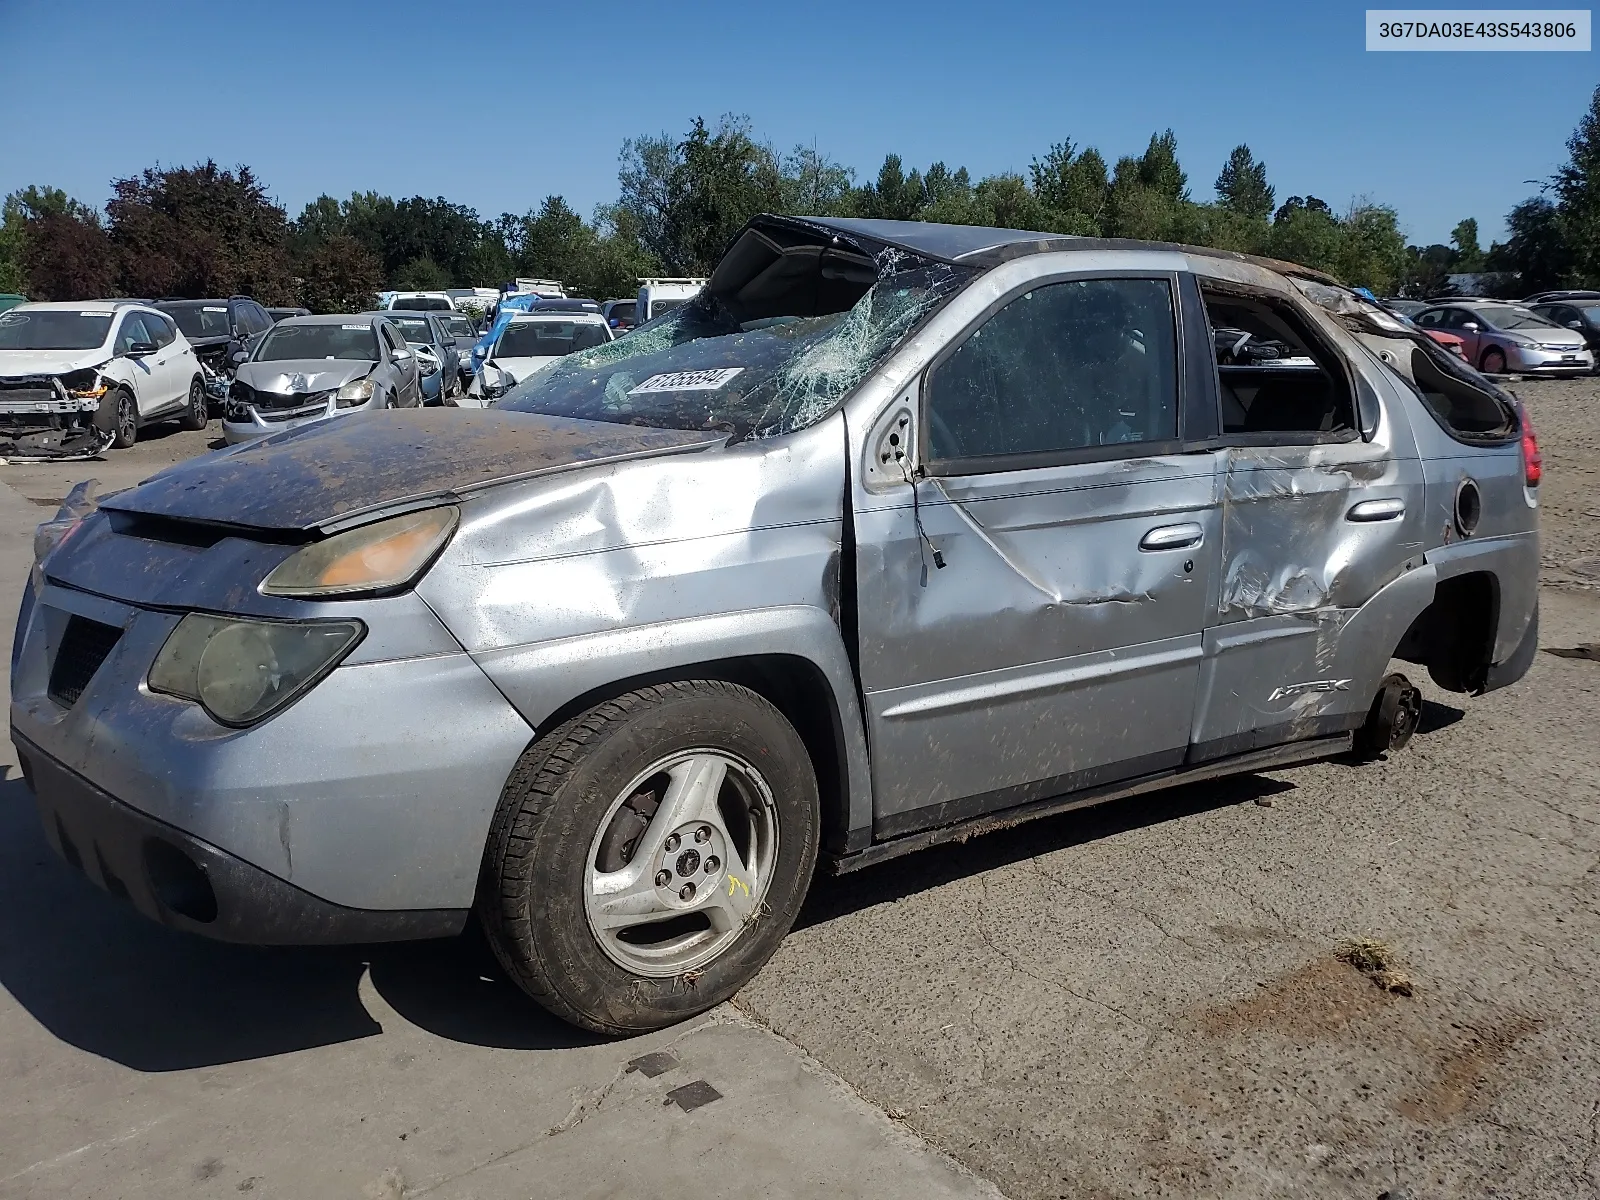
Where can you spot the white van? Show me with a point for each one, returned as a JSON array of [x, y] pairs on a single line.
[[421, 301], [657, 296]]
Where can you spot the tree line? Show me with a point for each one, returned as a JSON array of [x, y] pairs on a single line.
[[208, 231]]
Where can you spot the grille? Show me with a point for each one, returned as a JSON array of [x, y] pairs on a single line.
[[84, 646], [37, 395], [281, 400]]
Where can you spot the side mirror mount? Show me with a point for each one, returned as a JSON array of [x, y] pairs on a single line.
[[140, 350]]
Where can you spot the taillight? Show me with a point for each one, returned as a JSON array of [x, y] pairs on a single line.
[[1532, 460]]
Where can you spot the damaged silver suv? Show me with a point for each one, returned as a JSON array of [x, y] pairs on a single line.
[[895, 532]]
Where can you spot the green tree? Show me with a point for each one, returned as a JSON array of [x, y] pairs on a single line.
[[1538, 249], [1242, 186], [1468, 254], [1577, 191], [200, 231], [1073, 188], [1371, 251], [814, 184], [339, 274], [1159, 169]]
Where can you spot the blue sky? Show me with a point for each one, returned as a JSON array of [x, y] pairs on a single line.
[[496, 105]]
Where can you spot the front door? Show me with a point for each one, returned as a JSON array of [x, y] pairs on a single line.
[[1031, 608]]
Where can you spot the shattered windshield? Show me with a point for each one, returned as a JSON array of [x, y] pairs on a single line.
[[699, 368], [53, 329]]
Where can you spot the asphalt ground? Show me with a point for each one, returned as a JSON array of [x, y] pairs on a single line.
[[1139, 1000]]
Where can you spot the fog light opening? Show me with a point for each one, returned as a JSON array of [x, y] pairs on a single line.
[[178, 882]]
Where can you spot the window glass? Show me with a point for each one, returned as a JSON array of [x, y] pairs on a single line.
[[162, 330], [415, 330], [389, 337], [201, 320], [132, 331], [549, 339], [1067, 366], [52, 329], [1431, 319], [321, 339], [261, 317]]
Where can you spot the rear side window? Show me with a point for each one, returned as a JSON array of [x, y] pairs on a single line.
[[1279, 381], [1072, 366]]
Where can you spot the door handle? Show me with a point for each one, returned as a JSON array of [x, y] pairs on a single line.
[[1173, 537], [1377, 510]]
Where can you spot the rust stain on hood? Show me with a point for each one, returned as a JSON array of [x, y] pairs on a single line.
[[325, 473]]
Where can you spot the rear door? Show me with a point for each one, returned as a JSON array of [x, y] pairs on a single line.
[[1032, 605], [1322, 513], [172, 365]]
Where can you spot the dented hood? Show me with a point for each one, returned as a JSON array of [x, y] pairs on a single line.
[[326, 474], [302, 375]]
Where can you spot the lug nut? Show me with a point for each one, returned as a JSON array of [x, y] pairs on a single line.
[[703, 834], [663, 878], [673, 842], [686, 892], [712, 864]]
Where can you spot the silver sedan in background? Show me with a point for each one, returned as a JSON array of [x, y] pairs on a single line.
[[312, 368], [1500, 337]]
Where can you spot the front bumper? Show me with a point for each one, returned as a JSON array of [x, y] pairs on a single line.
[[248, 423], [40, 420], [175, 878], [1549, 362], [345, 817]]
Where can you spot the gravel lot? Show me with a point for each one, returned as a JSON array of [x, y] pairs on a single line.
[[1141, 1000]]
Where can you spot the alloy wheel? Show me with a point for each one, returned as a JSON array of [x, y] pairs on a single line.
[[683, 859]]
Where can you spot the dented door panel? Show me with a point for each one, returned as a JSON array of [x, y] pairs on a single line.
[[1050, 652], [1311, 535]]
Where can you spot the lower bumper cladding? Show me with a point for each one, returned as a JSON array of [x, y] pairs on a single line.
[[183, 882]]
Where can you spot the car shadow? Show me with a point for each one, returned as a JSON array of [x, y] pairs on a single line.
[[1438, 716], [102, 978], [836, 896]]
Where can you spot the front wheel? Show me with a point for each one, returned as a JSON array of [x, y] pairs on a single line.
[[196, 414], [649, 855], [118, 415], [1493, 362]]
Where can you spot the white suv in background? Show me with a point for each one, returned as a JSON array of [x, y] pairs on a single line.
[[78, 376]]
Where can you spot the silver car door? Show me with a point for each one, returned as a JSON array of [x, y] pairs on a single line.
[[1322, 528], [1032, 600]]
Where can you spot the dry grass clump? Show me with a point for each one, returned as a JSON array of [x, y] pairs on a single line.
[[1376, 961]]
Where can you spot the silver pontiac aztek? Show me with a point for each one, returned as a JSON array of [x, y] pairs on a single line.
[[894, 533]]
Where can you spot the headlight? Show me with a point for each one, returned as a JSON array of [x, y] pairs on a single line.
[[375, 558], [357, 391], [243, 671], [1523, 343], [84, 385]]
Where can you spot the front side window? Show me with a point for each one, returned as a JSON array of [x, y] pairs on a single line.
[[1431, 319], [351, 342], [162, 330], [132, 333], [53, 329], [1066, 367]]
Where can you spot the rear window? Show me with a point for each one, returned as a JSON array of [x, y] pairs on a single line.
[[416, 331], [461, 327], [422, 303], [548, 339], [53, 329], [351, 342], [657, 307], [201, 320]]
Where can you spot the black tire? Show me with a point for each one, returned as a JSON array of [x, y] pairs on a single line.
[[531, 894], [1391, 720], [1493, 361], [118, 415], [198, 414]]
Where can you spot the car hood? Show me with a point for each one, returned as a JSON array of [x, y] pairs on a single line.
[[1556, 336], [522, 368], [16, 363], [302, 374], [332, 473]]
